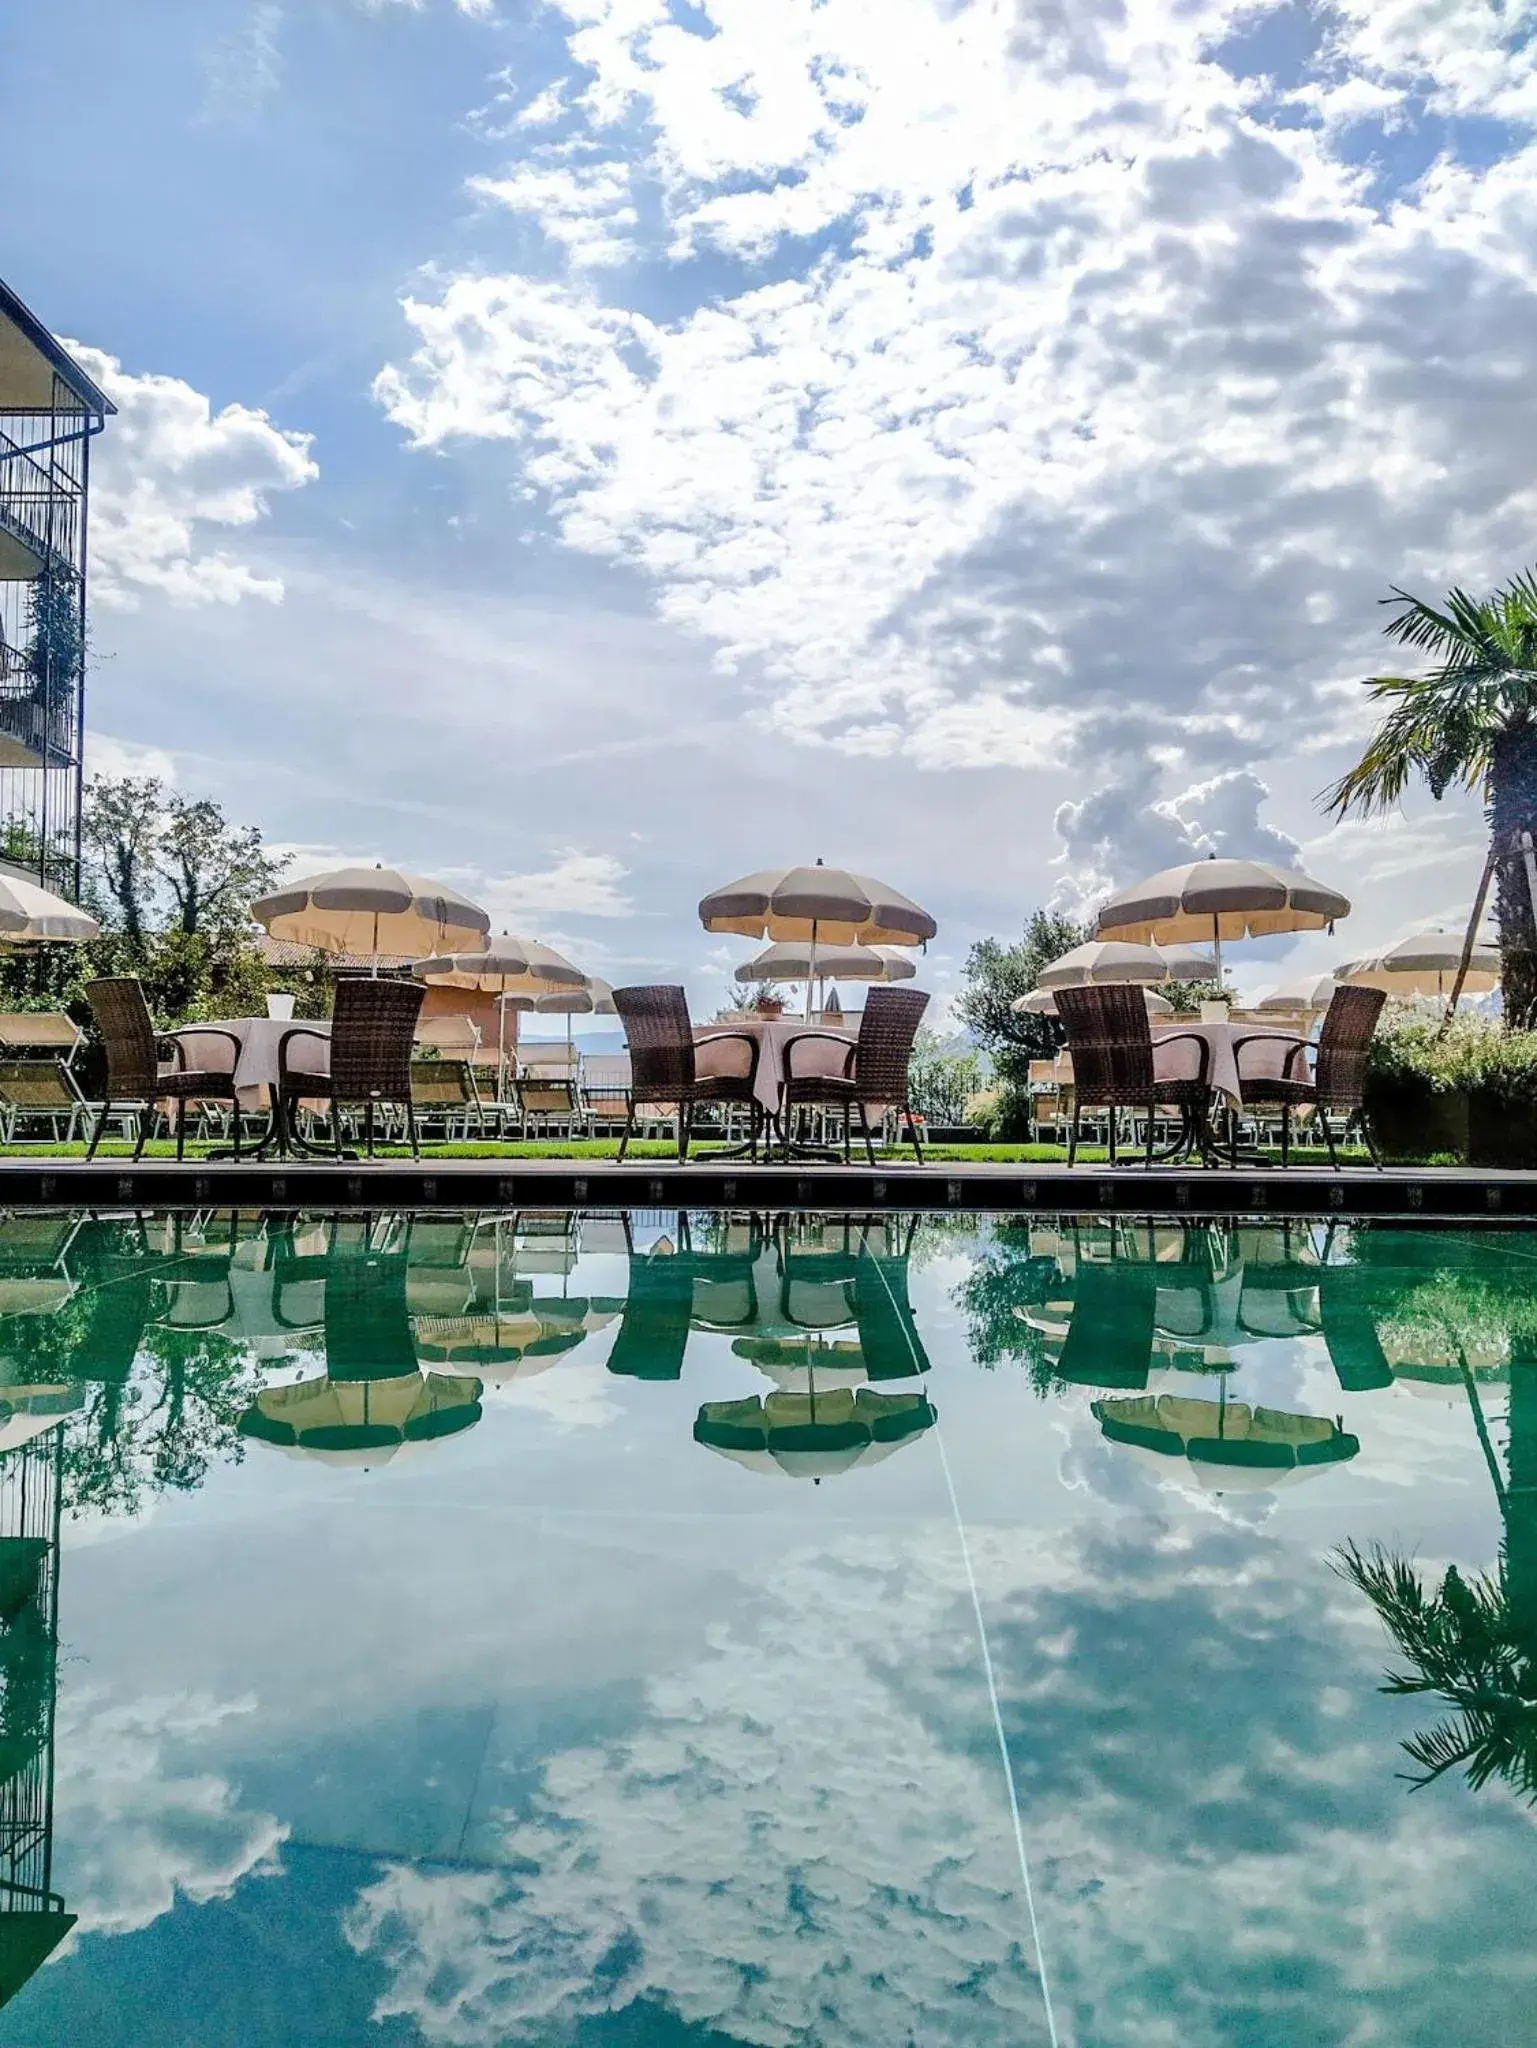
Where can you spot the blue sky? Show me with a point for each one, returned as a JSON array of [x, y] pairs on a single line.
[[588, 451]]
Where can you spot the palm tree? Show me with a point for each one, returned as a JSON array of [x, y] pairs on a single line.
[[1473, 1641], [1472, 720]]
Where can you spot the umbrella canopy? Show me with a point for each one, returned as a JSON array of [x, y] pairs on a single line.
[[362, 1422], [807, 1436], [823, 905], [1426, 964], [28, 912], [790, 960], [1186, 963], [801, 1365], [1104, 960], [504, 965], [514, 1344], [1307, 992], [1042, 1002], [594, 999], [371, 911], [1221, 899], [1229, 1444], [26, 1412]]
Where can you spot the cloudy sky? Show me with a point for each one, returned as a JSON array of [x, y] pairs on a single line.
[[591, 449]]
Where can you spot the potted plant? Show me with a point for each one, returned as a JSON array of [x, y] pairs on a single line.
[[766, 1001]]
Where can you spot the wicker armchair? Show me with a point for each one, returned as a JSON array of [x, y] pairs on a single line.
[[372, 1027], [1338, 1079], [663, 1067], [1113, 1066], [873, 1071], [137, 1080]]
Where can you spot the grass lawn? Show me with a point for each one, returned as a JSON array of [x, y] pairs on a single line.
[[660, 1148]]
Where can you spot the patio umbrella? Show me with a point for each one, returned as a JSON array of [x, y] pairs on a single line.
[[29, 912], [1307, 992], [791, 960], [362, 1422], [1186, 963], [1101, 961], [811, 1436], [1221, 899], [518, 970], [1227, 1444], [371, 911], [595, 998], [1425, 964], [819, 906], [1042, 1002]]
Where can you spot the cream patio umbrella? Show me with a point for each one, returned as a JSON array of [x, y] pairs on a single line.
[[370, 912], [791, 960], [1186, 963], [818, 906], [1220, 898], [1042, 1002], [595, 998], [29, 913], [1104, 961], [517, 970], [1425, 964], [1305, 992]]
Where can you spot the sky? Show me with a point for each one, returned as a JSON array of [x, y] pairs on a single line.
[[587, 451]]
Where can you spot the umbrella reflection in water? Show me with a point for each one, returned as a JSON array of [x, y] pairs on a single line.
[[374, 1401]]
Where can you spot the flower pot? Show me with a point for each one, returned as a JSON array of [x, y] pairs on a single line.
[[1411, 1120]]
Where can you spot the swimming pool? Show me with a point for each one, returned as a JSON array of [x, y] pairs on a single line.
[[670, 1628]]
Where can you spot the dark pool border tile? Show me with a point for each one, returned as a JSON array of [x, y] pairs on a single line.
[[1439, 1195]]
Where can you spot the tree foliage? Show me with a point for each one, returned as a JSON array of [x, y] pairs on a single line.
[[1471, 722], [996, 974], [171, 881], [157, 860]]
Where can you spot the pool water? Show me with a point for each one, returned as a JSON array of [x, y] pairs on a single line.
[[648, 1630]]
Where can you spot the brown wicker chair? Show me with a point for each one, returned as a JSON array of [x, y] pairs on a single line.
[[1112, 1048], [372, 1027], [1338, 1079], [875, 1067], [663, 1068], [136, 1078]]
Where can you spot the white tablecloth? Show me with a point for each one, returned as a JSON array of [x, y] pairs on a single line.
[[256, 1070], [1180, 1061], [730, 1056]]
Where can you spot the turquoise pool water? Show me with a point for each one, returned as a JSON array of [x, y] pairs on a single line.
[[639, 1631]]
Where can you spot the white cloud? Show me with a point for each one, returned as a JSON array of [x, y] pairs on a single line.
[[584, 207], [105, 755], [133, 1828], [1086, 419], [167, 469], [806, 1836], [577, 884]]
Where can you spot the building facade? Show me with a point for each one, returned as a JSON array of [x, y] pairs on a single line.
[[50, 411]]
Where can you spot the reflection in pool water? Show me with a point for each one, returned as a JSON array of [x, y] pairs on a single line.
[[519, 1704]]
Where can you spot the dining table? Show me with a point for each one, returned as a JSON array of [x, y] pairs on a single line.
[[1177, 1057], [256, 1066], [718, 1050]]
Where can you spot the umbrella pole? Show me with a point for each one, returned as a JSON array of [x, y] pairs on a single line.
[[812, 967], [1216, 942]]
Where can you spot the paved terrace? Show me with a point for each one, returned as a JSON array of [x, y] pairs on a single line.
[[1417, 1194]]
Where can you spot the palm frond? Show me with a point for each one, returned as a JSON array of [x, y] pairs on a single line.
[[1441, 726]]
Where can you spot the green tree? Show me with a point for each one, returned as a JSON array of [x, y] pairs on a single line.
[[121, 825], [942, 1083], [996, 974], [213, 870], [1468, 721]]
